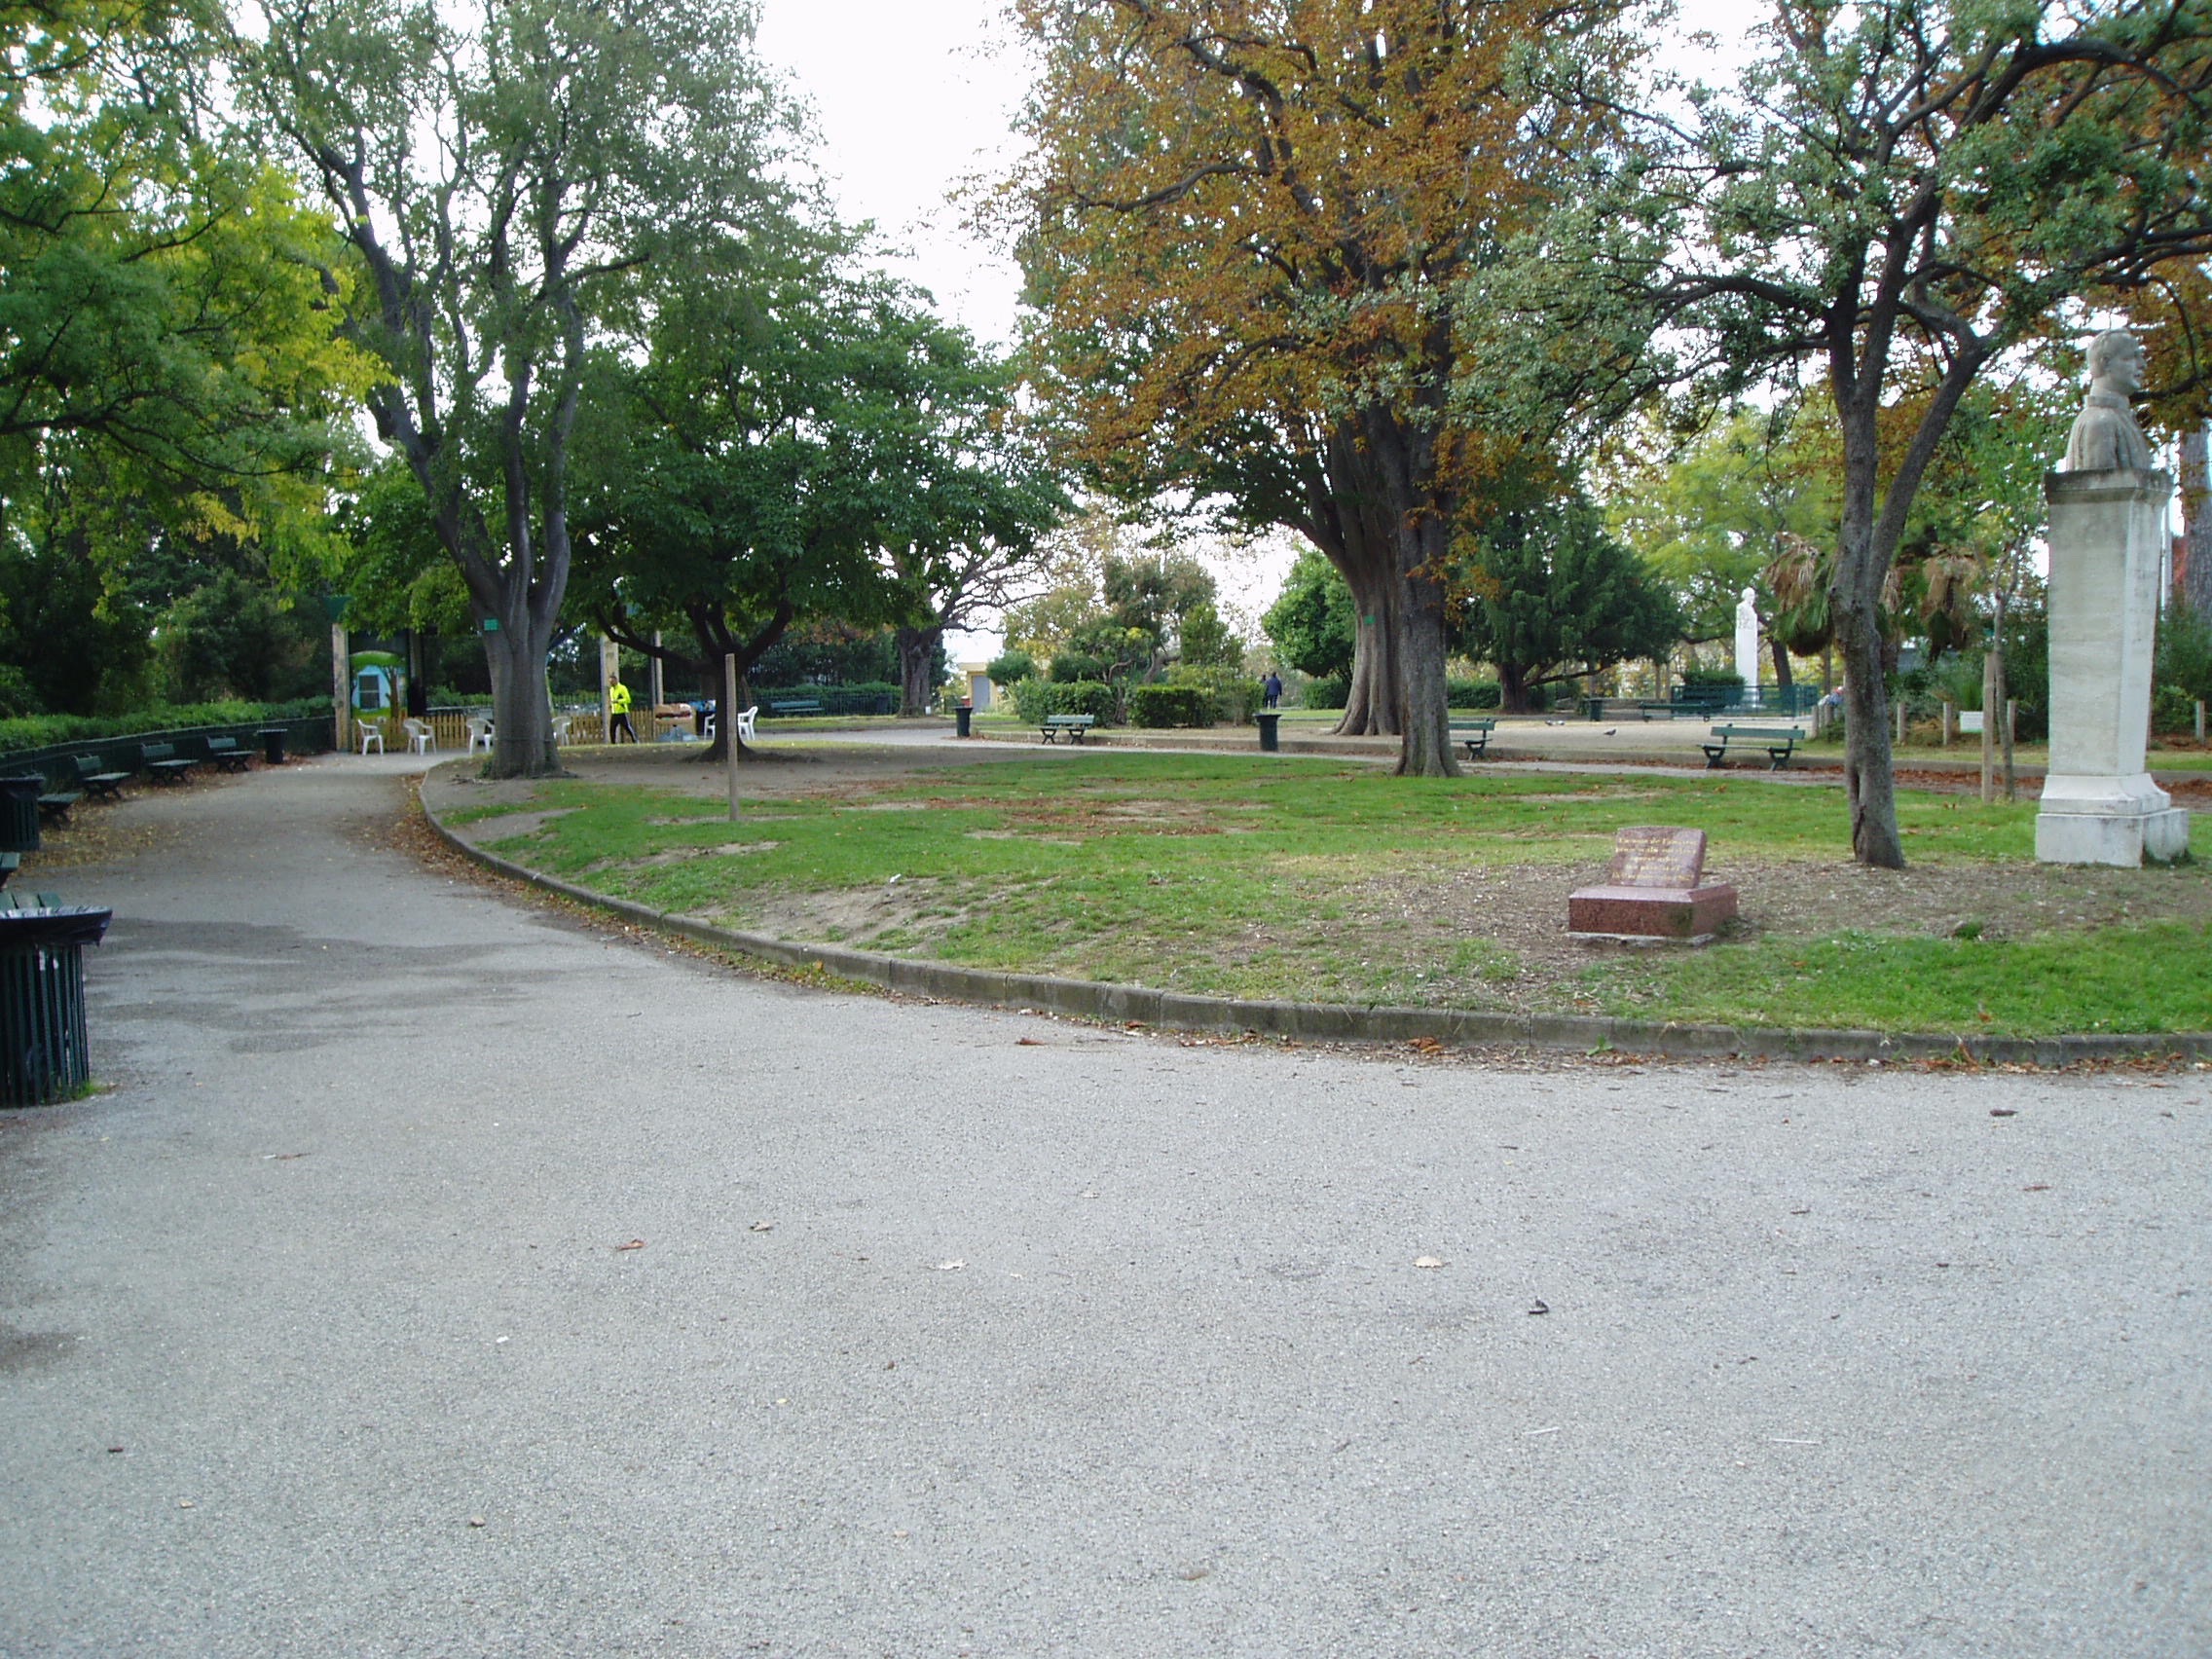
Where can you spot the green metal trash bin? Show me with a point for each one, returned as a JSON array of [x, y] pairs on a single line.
[[19, 812], [43, 1051]]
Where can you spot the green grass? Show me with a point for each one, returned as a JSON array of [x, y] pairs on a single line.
[[1218, 875], [2148, 978]]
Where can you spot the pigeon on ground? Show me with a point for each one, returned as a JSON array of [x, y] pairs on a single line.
[[1609, 730]]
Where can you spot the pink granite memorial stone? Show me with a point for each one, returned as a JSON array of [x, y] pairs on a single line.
[[1653, 891]]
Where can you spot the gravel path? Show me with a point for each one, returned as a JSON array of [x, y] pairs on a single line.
[[444, 1275]]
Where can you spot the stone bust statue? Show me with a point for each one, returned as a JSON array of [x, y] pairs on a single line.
[[2105, 436]]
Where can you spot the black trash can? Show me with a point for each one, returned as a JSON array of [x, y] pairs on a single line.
[[1267, 719], [273, 744], [961, 717], [43, 1052], [1594, 706], [19, 812]]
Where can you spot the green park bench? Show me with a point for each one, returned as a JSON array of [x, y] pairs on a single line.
[[96, 780], [802, 707], [159, 761], [1475, 734], [1070, 726], [226, 754], [1779, 741], [55, 804]]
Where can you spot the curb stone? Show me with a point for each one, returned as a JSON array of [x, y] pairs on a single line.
[[1458, 1028]]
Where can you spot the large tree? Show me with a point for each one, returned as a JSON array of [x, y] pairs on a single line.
[[1547, 595], [1894, 197], [1252, 223], [173, 394], [499, 174]]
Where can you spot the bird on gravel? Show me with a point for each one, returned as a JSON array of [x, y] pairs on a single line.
[[1609, 730]]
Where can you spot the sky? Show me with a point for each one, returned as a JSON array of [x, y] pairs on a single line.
[[911, 96]]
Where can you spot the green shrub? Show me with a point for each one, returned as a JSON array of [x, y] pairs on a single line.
[[1171, 706], [2173, 712], [1034, 699], [1092, 697], [1330, 691], [1473, 694], [2184, 652], [1010, 669], [46, 731], [1231, 695]]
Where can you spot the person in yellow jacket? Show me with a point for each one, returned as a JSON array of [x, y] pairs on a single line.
[[618, 724]]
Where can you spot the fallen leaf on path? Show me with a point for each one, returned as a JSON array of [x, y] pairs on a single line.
[[761, 1227], [950, 1267], [1429, 1260], [2004, 1110], [634, 1244], [1540, 1305]]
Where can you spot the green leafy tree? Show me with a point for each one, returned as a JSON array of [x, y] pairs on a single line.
[[791, 451], [1894, 199], [1712, 518], [1313, 622], [500, 179], [1547, 595]]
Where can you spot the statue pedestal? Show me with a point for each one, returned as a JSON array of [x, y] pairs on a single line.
[[2107, 530]]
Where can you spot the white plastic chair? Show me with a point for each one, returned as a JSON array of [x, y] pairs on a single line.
[[370, 734], [420, 740], [479, 734], [745, 723], [559, 729]]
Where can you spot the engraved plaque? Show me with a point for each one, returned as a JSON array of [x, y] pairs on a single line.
[[1653, 856]]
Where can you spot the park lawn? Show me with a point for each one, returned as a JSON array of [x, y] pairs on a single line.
[[1331, 881]]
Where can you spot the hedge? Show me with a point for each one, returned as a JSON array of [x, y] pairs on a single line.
[[1171, 706], [1034, 699], [48, 731]]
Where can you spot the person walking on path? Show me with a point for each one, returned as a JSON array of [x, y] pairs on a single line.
[[1272, 687], [618, 722]]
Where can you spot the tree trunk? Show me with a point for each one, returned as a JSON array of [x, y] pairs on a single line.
[[522, 708], [1512, 689], [2196, 520], [1781, 678], [1866, 771], [917, 661], [1357, 538], [1404, 455], [1372, 707]]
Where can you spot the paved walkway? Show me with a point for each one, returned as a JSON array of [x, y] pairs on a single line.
[[441, 1276]]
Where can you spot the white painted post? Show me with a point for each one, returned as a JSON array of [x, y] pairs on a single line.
[[725, 722], [1900, 720], [609, 670]]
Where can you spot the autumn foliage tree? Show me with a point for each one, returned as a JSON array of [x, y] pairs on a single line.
[[1251, 230]]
